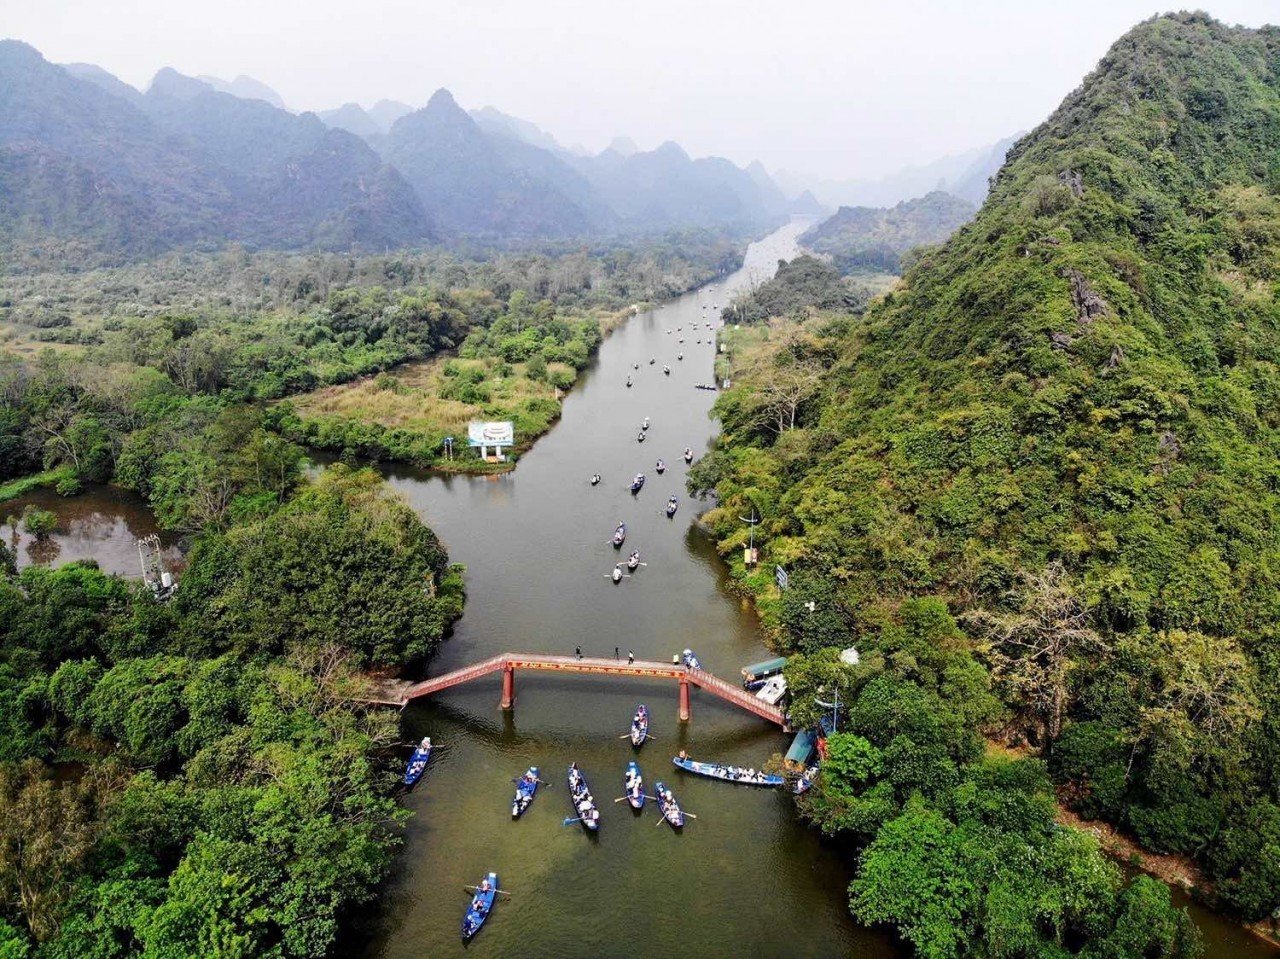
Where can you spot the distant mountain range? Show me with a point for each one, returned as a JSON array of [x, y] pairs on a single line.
[[965, 175], [89, 163]]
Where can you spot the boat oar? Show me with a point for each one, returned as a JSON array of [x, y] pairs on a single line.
[[500, 892], [571, 821]]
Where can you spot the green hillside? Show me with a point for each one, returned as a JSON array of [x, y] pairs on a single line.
[[1064, 426], [864, 238]]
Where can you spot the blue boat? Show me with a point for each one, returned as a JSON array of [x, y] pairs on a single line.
[[671, 810], [418, 762], [673, 504], [526, 786], [731, 774], [633, 786], [481, 906], [690, 660], [639, 480], [619, 535], [640, 726], [584, 804]]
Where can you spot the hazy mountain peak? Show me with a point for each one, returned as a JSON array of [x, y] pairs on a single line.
[[353, 118], [246, 88], [442, 99], [624, 146], [170, 83], [387, 112], [92, 73], [670, 148]]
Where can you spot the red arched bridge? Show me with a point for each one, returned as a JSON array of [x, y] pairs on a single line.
[[399, 693]]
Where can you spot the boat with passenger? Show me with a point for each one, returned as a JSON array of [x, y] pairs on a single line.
[[633, 560], [619, 535], [754, 676], [688, 455], [732, 774], [670, 807], [481, 906], [673, 504], [661, 467], [638, 480], [526, 787], [584, 803], [418, 762], [633, 786], [640, 726]]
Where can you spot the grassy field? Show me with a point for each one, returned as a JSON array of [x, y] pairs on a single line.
[[405, 414]]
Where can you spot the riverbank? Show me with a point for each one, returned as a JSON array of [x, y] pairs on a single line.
[[17, 488], [502, 373]]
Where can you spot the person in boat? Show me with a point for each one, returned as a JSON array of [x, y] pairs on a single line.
[[683, 754]]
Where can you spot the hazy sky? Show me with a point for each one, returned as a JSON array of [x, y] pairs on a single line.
[[847, 89]]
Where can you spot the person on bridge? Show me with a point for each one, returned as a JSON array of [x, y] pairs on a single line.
[[631, 657], [615, 653], [578, 651]]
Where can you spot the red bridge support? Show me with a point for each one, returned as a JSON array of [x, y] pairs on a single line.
[[508, 687]]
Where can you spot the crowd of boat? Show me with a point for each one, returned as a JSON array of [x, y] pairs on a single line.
[[586, 809]]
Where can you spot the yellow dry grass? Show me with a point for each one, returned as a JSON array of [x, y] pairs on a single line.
[[414, 401]]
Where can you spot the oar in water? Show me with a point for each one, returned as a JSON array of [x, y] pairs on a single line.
[[540, 782], [570, 821]]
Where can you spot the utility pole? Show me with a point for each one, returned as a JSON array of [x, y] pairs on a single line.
[[749, 557]]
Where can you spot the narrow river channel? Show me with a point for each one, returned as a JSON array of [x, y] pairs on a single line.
[[744, 877]]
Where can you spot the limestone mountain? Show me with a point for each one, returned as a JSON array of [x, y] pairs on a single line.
[[470, 184], [93, 163], [872, 238], [1073, 400], [353, 118]]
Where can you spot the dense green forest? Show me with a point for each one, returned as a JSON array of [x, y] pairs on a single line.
[[122, 374], [1036, 486], [189, 778], [869, 239]]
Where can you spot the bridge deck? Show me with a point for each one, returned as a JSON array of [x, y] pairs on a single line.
[[401, 693]]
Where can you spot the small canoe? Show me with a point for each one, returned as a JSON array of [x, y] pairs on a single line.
[[584, 804], [688, 455], [640, 437], [418, 762], [617, 573], [673, 504], [633, 560], [633, 786], [526, 786], [661, 467], [671, 810], [666, 371], [595, 480], [628, 382], [731, 774], [481, 906], [640, 726], [639, 479], [690, 660], [619, 535], [805, 782]]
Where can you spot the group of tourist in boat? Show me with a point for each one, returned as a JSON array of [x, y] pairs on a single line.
[[583, 802]]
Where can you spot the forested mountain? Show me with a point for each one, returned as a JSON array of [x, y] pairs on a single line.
[[1062, 429], [867, 238], [90, 163]]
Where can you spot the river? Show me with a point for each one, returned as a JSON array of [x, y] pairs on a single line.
[[745, 877]]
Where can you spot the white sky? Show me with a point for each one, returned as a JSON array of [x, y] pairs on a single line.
[[842, 89]]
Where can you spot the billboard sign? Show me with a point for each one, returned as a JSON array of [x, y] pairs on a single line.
[[498, 433]]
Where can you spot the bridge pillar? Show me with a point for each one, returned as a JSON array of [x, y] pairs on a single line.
[[508, 687], [686, 710]]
